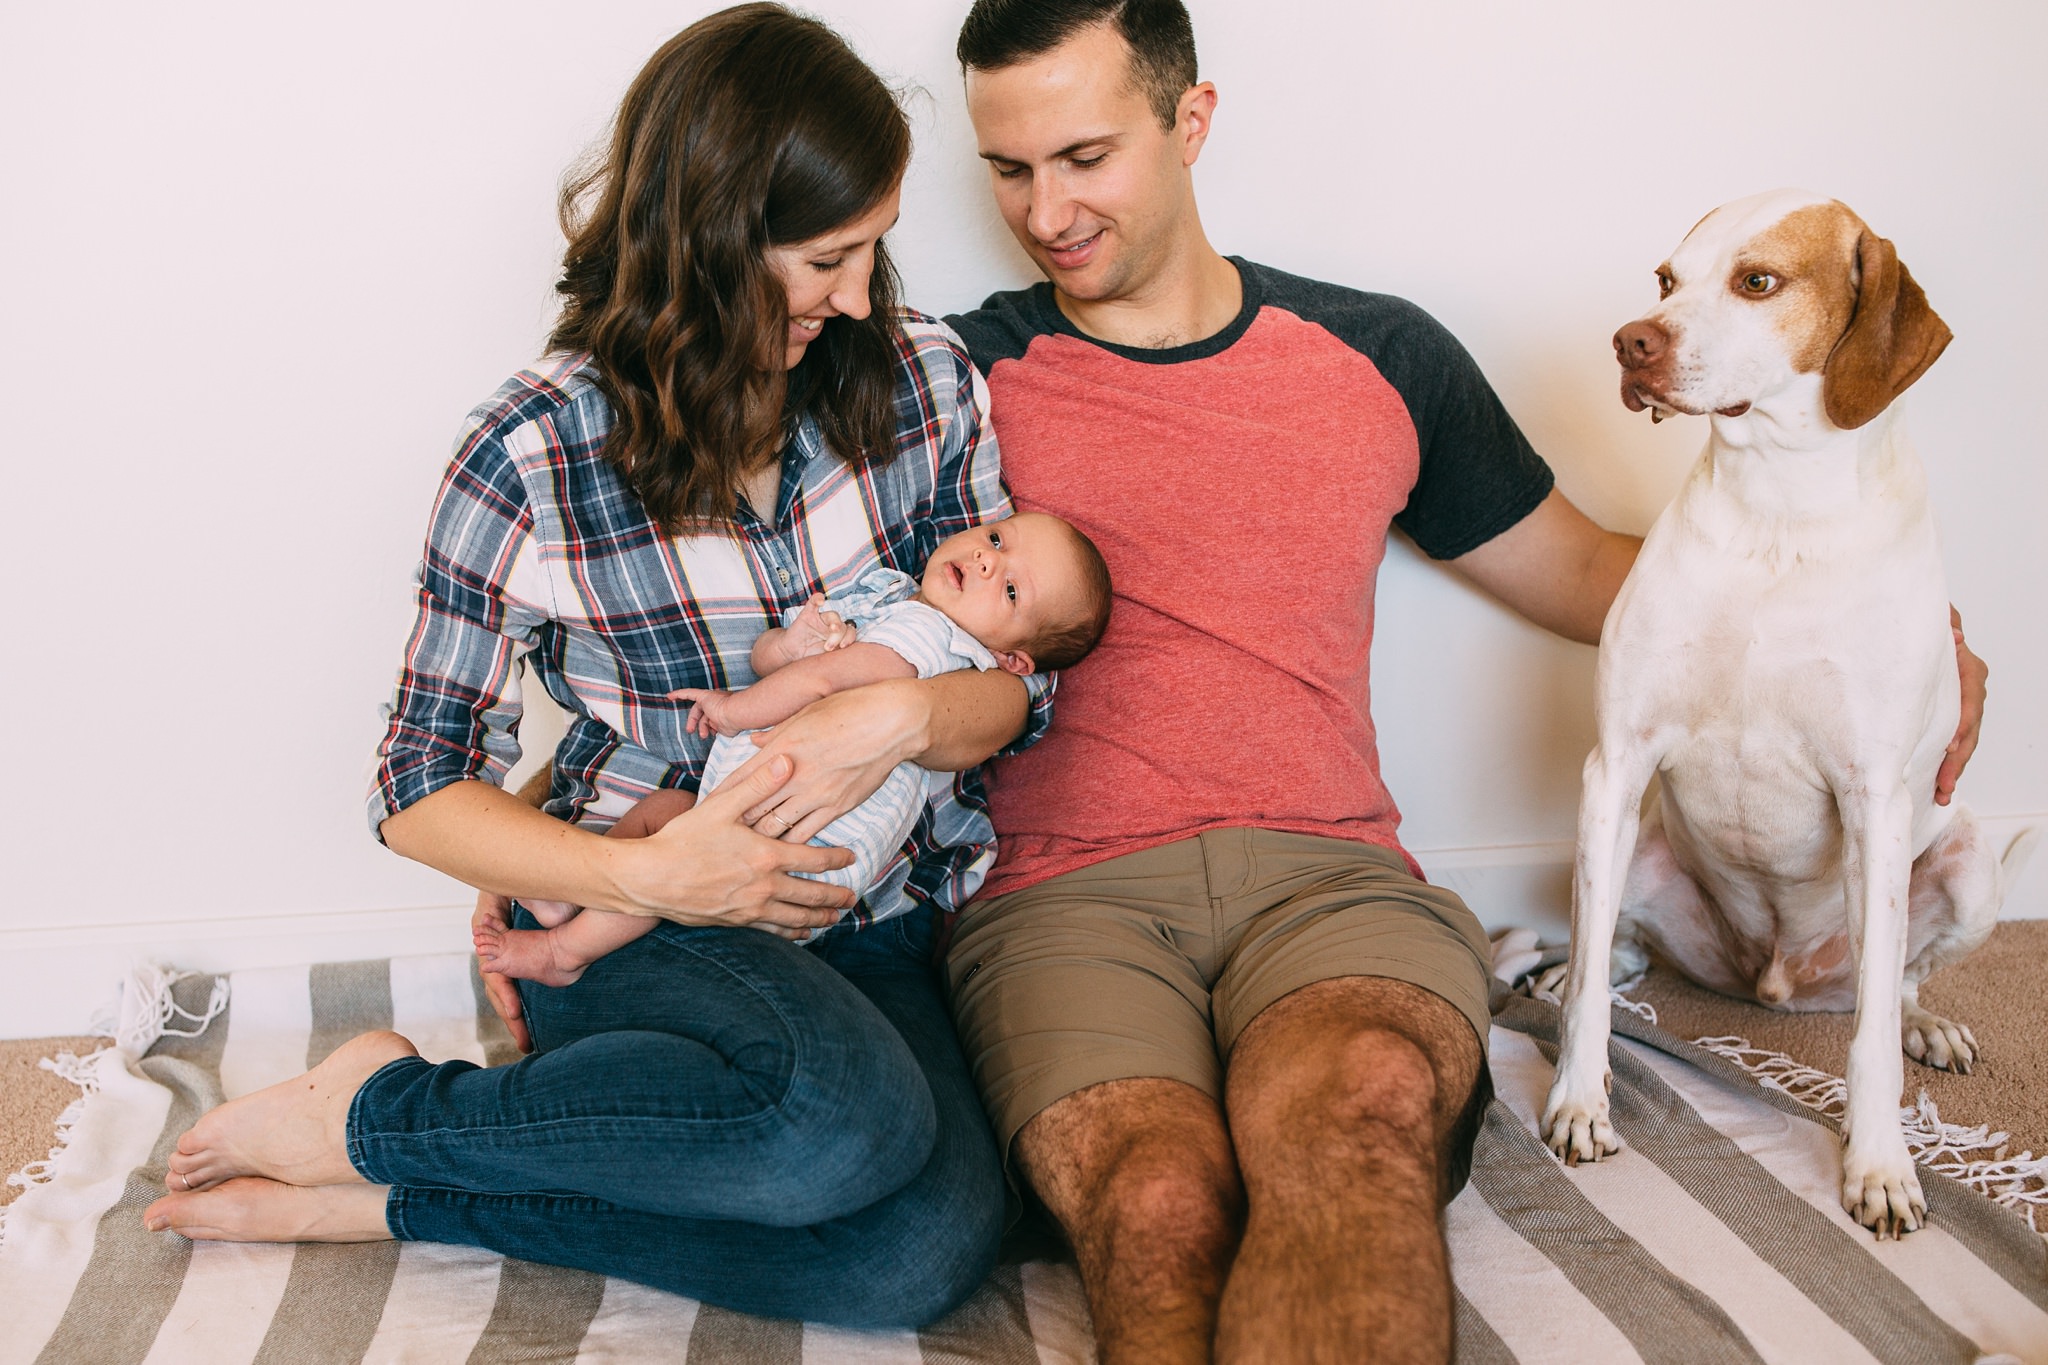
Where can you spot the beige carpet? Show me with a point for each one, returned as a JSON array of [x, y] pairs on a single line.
[[1999, 992], [30, 1101]]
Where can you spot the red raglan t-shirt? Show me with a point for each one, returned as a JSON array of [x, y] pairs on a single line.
[[1241, 489]]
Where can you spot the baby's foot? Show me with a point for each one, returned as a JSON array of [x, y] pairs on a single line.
[[295, 1131], [550, 913], [527, 954], [251, 1209]]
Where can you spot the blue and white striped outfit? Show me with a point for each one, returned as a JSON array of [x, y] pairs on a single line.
[[882, 608]]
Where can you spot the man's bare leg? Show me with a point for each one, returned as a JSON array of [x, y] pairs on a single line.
[[1139, 1174], [1342, 1099]]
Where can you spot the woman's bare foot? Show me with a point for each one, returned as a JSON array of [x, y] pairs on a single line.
[[296, 1131], [251, 1209], [528, 954]]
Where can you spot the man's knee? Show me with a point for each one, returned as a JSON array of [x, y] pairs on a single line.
[[1148, 1159], [1355, 1055]]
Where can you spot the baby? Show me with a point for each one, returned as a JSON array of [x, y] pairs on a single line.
[[1025, 594]]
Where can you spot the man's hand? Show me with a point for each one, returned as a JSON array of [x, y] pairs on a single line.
[[710, 711], [503, 991], [1975, 672]]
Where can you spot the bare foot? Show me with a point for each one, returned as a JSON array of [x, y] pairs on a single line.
[[296, 1131], [550, 913], [250, 1209], [528, 954]]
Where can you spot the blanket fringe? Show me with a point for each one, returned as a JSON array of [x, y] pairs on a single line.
[[1976, 1157], [145, 1009], [79, 1071]]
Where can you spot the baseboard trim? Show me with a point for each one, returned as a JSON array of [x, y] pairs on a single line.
[[58, 977]]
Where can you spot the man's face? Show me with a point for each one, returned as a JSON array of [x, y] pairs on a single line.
[[1095, 190]]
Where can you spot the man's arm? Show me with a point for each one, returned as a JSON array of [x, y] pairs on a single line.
[[790, 688], [1555, 567]]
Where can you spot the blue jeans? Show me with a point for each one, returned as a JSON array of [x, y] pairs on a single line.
[[781, 1130]]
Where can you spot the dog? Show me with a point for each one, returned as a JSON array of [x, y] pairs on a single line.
[[1781, 658]]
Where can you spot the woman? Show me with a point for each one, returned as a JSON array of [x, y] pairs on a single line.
[[735, 416]]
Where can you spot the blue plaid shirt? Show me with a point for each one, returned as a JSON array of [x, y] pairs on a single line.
[[538, 553]]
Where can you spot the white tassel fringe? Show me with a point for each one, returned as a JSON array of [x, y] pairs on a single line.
[[145, 1009], [77, 1070], [2019, 1182]]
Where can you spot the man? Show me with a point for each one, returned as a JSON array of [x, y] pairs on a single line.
[[1225, 1032]]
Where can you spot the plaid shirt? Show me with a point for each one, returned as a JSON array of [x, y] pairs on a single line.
[[538, 551]]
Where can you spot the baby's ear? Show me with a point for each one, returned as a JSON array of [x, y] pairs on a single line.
[[1015, 661]]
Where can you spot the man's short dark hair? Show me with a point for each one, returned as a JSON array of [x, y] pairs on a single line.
[[1000, 33]]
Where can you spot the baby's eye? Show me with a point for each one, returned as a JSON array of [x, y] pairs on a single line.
[[995, 539], [1010, 591]]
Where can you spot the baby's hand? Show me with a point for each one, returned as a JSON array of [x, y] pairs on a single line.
[[709, 710], [817, 631]]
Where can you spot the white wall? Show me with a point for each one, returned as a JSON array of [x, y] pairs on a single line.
[[265, 257]]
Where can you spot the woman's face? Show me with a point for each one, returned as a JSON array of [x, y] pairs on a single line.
[[828, 276]]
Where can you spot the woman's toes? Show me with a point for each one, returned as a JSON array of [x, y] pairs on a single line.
[[251, 1209]]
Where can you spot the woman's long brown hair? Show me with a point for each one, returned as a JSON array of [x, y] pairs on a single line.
[[752, 128]]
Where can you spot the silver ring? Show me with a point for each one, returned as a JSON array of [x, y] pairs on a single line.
[[786, 826], [184, 1180]]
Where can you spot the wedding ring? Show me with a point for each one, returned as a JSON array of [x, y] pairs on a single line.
[[184, 1180], [786, 826]]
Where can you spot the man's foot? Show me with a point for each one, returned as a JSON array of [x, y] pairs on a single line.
[[296, 1131], [251, 1209], [528, 954]]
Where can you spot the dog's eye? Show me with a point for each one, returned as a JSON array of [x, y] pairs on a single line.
[[1665, 284], [1757, 282]]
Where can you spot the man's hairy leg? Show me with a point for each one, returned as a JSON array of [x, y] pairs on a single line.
[[1343, 1098], [1140, 1175]]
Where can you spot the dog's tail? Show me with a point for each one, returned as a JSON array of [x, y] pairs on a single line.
[[2017, 854]]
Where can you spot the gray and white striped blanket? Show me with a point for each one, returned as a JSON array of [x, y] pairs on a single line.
[[1715, 1237]]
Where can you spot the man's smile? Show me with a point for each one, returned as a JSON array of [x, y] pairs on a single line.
[[1077, 254]]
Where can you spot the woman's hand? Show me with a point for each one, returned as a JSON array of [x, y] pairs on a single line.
[[843, 747], [707, 866]]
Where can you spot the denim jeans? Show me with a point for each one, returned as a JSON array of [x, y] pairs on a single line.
[[782, 1130]]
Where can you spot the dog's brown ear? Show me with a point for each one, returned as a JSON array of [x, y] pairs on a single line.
[[1892, 338]]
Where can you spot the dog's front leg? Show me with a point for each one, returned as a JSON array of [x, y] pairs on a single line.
[[1575, 1116], [1880, 1188]]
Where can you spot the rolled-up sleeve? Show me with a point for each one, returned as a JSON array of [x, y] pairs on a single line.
[[479, 603]]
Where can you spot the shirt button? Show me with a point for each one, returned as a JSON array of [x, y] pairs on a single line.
[[783, 574]]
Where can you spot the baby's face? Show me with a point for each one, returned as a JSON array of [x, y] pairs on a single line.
[[1003, 581]]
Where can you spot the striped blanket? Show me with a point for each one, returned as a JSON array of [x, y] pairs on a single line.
[[1716, 1237]]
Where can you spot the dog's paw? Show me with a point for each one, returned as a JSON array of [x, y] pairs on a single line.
[[1576, 1125], [1883, 1192], [1937, 1042]]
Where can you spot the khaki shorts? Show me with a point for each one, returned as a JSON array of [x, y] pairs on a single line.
[[1152, 964]]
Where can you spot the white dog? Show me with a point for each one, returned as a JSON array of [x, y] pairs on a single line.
[[1781, 655]]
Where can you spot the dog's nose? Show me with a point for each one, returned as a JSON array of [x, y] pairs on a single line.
[[1639, 344]]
